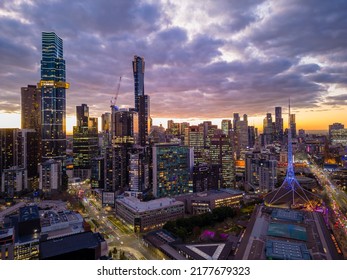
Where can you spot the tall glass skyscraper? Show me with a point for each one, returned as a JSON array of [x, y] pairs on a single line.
[[53, 102], [141, 100], [139, 79]]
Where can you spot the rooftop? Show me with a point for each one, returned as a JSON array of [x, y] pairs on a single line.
[[63, 245], [27, 213], [284, 250], [287, 215], [141, 206], [287, 231]]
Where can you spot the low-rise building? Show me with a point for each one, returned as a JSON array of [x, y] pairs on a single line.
[[198, 203], [150, 215]]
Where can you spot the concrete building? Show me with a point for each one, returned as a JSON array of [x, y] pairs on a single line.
[[50, 176], [198, 203], [145, 216], [261, 172], [14, 180]]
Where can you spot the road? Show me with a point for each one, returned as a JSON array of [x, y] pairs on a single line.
[[337, 196], [116, 233]]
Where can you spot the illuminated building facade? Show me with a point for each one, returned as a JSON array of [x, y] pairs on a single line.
[[221, 153], [194, 138], [31, 107], [150, 215], [141, 100], [53, 100], [85, 142], [172, 167]]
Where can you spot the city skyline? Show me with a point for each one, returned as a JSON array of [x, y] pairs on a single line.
[[203, 61]]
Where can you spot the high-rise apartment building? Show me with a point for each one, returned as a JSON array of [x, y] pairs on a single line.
[[53, 87], [261, 172], [50, 176], [139, 79], [141, 100]]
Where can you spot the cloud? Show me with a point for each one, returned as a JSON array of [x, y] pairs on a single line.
[[203, 59]]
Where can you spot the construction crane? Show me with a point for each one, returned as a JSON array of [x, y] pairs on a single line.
[[113, 101]]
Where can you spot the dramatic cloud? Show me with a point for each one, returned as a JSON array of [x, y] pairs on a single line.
[[203, 59]]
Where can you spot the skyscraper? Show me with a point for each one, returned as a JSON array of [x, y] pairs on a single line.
[[172, 167], [53, 86], [85, 142], [141, 100], [31, 107], [268, 131], [139, 78], [292, 125], [278, 124]]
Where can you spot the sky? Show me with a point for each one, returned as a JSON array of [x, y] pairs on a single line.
[[204, 59]]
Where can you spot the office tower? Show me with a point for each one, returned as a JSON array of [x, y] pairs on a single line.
[[226, 127], [53, 87], [172, 167], [194, 138], [144, 120], [125, 128], [85, 142], [173, 128], [206, 177], [50, 176], [268, 131], [221, 153], [251, 136], [106, 122], [31, 108], [97, 177], [278, 124], [236, 118], [293, 125], [240, 134], [209, 132], [261, 172], [335, 126], [183, 127], [108, 157]]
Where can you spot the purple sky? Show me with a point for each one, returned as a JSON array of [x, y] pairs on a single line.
[[204, 59]]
